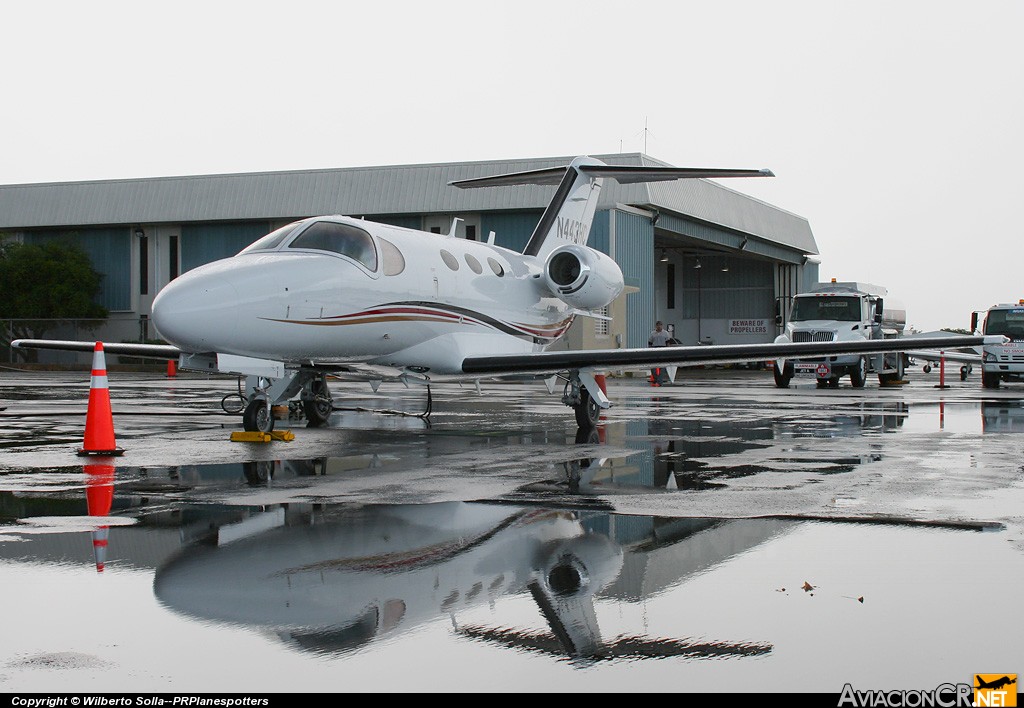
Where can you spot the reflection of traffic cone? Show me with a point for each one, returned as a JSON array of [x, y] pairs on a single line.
[[99, 419], [172, 368], [99, 497]]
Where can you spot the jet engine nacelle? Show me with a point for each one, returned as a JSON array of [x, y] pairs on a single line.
[[582, 277], [580, 566]]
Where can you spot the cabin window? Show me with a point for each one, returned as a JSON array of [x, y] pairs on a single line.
[[343, 239], [474, 264], [450, 260], [391, 258], [273, 239], [496, 267]]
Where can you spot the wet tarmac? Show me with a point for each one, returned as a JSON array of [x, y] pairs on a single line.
[[715, 533]]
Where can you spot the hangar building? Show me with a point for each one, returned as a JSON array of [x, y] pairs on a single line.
[[709, 261]]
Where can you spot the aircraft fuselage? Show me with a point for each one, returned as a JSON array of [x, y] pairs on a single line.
[[419, 299]]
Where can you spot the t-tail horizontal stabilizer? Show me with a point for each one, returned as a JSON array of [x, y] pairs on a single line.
[[568, 216], [626, 174]]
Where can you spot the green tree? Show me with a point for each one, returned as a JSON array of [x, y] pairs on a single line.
[[41, 283]]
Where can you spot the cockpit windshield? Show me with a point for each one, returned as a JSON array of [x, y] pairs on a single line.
[[843, 309], [1006, 322], [273, 239], [344, 239]]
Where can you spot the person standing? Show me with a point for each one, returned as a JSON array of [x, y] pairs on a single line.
[[659, 337]]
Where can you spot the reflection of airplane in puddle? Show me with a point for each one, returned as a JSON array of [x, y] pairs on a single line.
[[334, 580]]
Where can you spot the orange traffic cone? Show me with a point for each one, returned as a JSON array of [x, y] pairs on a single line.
[[172, 368], [99, 497], [99, 419]]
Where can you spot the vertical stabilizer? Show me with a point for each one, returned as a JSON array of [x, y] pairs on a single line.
[[570, 213]]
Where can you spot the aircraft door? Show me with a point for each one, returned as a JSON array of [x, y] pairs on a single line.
[[446, 276]]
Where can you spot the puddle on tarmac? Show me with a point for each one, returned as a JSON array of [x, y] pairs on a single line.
[[509, 590]]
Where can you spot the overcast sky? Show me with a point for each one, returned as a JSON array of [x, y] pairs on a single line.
[[894, 127]]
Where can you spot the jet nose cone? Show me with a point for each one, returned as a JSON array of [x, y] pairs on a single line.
[[197, 312]]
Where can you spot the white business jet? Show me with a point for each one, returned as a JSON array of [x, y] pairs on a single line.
[[338, 295]]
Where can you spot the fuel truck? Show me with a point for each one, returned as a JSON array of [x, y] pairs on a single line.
[[837, 312]]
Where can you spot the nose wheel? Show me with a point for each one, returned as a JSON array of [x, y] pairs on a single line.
[[258, 418]]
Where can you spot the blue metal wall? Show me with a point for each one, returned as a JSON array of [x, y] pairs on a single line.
[[110, 251], [634, 251], [405, 222], [203, 243], [600, 232], [512, 229]]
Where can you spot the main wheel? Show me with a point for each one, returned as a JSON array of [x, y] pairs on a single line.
[[783, 376], [859, 374], [588, 411], [257, 416], [319, 407]]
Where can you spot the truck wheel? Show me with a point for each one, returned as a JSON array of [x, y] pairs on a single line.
[[833, 382], [783, 377], [989, 380], [859, 374], [821, 383]]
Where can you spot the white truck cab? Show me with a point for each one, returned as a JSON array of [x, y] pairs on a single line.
[[1002, 362], [840, 312]]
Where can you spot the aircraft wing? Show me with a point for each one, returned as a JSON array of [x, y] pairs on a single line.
[[960, 354], [957, 356], [149, 351], [554, 362]]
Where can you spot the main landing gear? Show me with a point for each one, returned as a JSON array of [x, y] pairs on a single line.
[[585, 397], [317, 404]]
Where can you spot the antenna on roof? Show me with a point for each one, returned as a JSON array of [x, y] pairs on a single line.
[[645, 132]]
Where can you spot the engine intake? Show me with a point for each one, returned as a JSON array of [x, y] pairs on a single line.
[[582, 277]]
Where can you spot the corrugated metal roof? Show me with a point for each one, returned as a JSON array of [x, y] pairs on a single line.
[[398, 189]]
